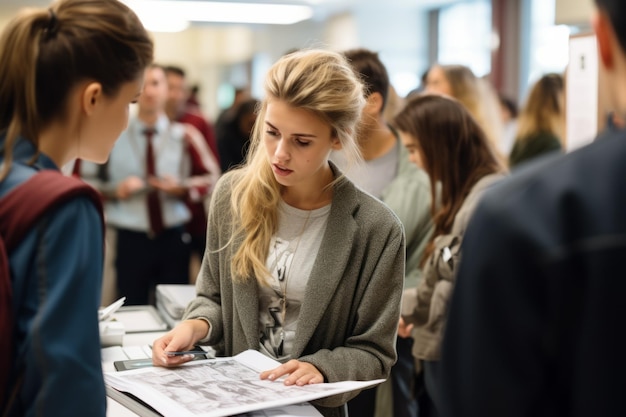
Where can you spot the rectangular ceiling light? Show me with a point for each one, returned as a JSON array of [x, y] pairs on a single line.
[[222, 12]]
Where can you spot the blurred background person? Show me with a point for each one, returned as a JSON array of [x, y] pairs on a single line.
[[146, 184], [227, 114], [445, 140], [177, 109], [615, 121], [234, 134], [509, 113], [193, 100], [476, 94], [541, 121], [387, 174]]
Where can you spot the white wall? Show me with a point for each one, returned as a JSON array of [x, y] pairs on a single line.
[[202, 51], [207, 52], [573, 12], [400, 36]]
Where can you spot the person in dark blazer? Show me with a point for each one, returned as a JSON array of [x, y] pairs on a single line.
[[536, 319], [233, 136], [301, 264]]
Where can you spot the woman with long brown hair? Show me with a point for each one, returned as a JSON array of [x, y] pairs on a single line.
[[447, 142]]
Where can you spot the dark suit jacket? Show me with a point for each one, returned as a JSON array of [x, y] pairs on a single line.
[[537, 318]]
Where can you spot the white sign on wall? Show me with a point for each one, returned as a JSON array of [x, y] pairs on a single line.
[[581, 92]]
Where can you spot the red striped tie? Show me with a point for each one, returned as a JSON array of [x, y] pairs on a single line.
[[154, 203]]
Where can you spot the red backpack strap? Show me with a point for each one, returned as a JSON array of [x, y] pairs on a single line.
[[20, 209], [42, 192], [6, 325]]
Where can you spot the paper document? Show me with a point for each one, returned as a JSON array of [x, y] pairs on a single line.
[[294, 410], [106, 312], [219, 387]]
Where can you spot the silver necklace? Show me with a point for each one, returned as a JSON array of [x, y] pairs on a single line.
[[283, 281]]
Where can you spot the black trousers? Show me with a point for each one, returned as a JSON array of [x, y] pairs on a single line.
[[198, 245], [142, 262], [431, 379]]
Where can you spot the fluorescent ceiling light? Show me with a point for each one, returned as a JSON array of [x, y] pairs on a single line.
[[158, 24], [222, 12]]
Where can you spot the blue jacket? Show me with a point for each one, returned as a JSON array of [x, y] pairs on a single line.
[[56, 274]]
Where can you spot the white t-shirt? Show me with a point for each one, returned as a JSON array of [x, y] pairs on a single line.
[[372, 176], [290, 260]]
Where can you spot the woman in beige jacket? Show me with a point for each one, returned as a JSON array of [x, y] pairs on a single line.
[[446, 141]]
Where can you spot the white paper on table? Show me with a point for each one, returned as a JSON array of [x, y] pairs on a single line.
[[220, 387]]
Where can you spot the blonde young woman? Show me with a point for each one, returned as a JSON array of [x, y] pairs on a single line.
[[541, 121], [67, 76], [300, 264]]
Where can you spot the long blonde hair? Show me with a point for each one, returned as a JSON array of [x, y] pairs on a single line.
[[479, 97], [44, 53], [316, 80], [543, 110]]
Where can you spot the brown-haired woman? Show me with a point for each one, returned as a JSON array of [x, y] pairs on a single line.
[[542, 120], [67, 76], [445, 140]]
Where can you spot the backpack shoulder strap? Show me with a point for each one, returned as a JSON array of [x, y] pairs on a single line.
[[21, 207]]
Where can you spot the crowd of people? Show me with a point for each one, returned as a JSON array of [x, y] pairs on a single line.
[[442, 241]]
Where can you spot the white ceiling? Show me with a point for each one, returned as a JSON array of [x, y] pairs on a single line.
[[322, 8]]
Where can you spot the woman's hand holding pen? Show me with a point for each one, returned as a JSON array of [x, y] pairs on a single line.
[[180, 338], [300, 373]]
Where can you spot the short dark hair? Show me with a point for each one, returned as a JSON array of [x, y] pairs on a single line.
[[371, 70], [616, 11], [172, 69]]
